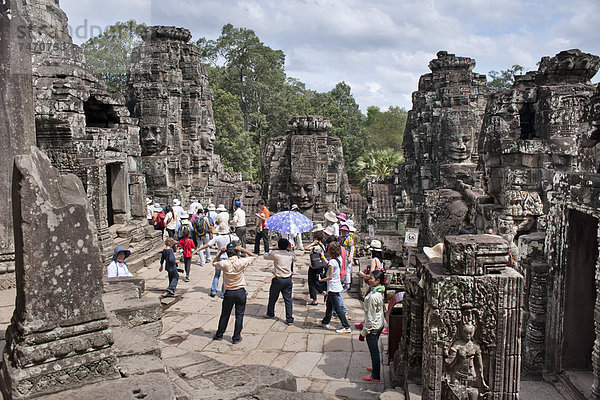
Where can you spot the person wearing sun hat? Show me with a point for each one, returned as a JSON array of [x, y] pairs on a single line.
[[347, 242], [177, 207], [221, 240], [222, 216], [194, 205], [331, 218], [118, 267]]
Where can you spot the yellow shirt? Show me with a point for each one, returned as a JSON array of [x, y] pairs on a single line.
[[233, 271]]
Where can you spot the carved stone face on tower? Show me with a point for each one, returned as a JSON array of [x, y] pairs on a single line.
[[457, 142], [207, 138], [302, 194], [153, 140]]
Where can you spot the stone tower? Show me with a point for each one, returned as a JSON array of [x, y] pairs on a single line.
[[306, 167], [170, 94]]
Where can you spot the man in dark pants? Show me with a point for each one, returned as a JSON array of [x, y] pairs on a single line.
[[239, 222], [262, 233], [282, 281], [235, 288]]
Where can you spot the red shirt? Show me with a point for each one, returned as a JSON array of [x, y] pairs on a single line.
[[187, 245]]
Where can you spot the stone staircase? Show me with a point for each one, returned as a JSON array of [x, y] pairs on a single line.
[[141, 239]]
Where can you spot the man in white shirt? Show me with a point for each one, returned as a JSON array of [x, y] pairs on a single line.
[[177, 207], [221, 240], [282, 281], [194, 206], [239, 222]]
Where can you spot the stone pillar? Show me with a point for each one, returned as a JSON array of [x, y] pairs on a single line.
[[17, 126], [59, 336], [472, 320]]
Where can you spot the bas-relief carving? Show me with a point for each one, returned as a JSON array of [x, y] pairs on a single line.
[[464, 375]]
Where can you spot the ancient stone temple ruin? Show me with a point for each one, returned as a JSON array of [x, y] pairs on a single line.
[[440, 146], [535, 147], [169, 92], [306, 167], [462, 316], [82, 128]]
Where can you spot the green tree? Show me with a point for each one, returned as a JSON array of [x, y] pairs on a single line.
[[348, 122], [110, 52], [235, 146], [386, 129], [377, 164], [245, 67], [504, 79]]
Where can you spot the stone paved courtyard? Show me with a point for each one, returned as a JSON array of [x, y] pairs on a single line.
[[322, 360]]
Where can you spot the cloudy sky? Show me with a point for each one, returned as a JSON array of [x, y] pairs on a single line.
[[379, 47]]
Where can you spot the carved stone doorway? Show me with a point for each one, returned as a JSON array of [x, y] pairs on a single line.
[[580, 298], [116, 193]]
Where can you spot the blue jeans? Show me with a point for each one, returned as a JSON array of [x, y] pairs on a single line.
[[283, 286], [334, 302], [204, 255], [232, 297], [372, 339], [215, 283], [173, 279]]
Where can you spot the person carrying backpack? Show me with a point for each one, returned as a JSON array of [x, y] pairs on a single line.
[[201, 229], [158, 218], [171, 219]]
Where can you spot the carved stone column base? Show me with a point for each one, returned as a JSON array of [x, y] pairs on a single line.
[[54, 376]]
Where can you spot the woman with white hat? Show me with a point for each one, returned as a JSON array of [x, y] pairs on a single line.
[[376, 264], [331, 218], [177, 207]]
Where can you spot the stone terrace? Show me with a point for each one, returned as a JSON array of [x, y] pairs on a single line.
[[322, 360]]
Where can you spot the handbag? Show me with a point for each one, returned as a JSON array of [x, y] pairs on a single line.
[[316, 262]]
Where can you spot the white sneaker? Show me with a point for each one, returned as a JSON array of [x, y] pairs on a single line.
[[343, 330], [321, 324]]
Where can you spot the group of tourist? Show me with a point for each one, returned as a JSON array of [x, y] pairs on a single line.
[[332, 253]]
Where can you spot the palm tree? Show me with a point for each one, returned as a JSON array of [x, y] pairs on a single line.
[[378, 164]]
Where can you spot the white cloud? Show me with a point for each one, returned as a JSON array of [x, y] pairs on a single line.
[[379, 47]]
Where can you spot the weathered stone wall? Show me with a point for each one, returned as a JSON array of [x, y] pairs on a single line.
[[17, 128], [82, 128], [168, 91], [306, 167]]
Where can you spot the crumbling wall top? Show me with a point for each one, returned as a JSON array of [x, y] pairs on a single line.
[[308, 125], [568, 66], [163, 33], [447, 61]]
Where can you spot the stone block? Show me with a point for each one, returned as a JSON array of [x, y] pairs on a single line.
[[149, 386], [475, 254]]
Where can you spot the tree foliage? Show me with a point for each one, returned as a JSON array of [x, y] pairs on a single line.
[[245, 67], [235, 146], [386, 129], [379, 163], [110, 52], [347, 120], [504, 79]]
